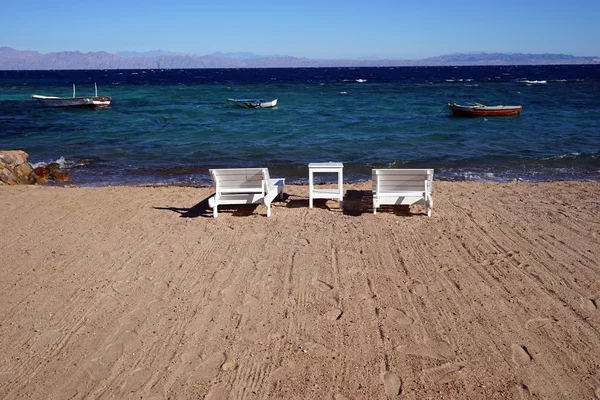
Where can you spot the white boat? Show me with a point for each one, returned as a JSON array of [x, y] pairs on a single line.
[[90, 101], [254, 103]]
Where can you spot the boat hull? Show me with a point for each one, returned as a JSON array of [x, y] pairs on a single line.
[[483, 111], [92, 101], [253, 103]]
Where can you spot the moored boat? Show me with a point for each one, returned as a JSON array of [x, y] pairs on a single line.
[[481, 110], [253, 103], [89, 101]]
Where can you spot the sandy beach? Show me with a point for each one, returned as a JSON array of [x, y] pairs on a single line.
[[138, 293]]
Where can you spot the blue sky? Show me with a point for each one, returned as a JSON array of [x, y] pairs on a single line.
[[396, 29]]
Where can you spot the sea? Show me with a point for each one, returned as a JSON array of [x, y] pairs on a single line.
[[170, 126]]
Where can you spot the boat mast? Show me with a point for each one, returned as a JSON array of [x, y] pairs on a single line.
[[73, 90], [96, 89]]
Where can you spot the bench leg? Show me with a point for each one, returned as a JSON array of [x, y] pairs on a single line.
[[215, 213], [268, 209]]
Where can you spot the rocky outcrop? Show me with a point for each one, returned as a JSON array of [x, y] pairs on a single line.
[[14, 170]]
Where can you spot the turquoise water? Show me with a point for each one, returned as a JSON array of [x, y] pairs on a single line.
[[167, 127]]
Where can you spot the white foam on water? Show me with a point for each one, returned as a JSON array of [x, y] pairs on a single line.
[[61, 162], [533, 82]]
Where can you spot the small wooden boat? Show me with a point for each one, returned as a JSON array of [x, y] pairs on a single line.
[[90, 101], [480, 110], [253, 103]]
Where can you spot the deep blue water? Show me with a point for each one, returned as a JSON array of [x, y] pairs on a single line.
[[171, 126]]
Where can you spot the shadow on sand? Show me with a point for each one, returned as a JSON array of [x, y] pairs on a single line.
[[356, 203]]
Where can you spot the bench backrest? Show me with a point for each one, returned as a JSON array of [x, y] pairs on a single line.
[[402, 180], [242, 180]]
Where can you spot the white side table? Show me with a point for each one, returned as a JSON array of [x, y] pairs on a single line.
[[325, 193]]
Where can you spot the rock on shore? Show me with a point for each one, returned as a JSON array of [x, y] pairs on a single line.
[[15, 170]]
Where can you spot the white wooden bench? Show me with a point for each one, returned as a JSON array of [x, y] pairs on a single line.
[[244, 186], [402, 186]]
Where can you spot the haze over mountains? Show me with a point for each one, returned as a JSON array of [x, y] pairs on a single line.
[[11, 59]]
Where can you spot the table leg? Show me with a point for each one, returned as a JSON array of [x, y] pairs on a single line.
[[310, 189], [341, 188]]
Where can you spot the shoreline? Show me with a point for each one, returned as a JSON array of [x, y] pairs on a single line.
[[303, 181], [123, 291]]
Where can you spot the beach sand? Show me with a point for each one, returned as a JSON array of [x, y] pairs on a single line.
[[138, 293]]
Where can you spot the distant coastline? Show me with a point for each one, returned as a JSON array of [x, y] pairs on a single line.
[[12, 59]]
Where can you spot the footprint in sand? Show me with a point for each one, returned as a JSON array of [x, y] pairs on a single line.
[[521, 391], [230, 295], [222, 275], [122, 287], [66, 394], [435, 349], [218, 392], [339, 396], [254, 333], [132, 320], [251, 303], [317, 349], [46, 339], [96, 370], [588, 304], [154, 306], [392, 383], [303, 242], [520, 355], [287, 372], [272, 285], [128, 341], [445, 373], [112, 353], [229, 366], [334, 314], [136, 380], [536, 323], [597, 393], [322, 286], [202, 369], [355, 270], [398, 316], [418, 288], [159, 289]]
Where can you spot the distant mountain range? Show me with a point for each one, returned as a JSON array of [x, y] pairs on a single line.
[[11, 59]]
